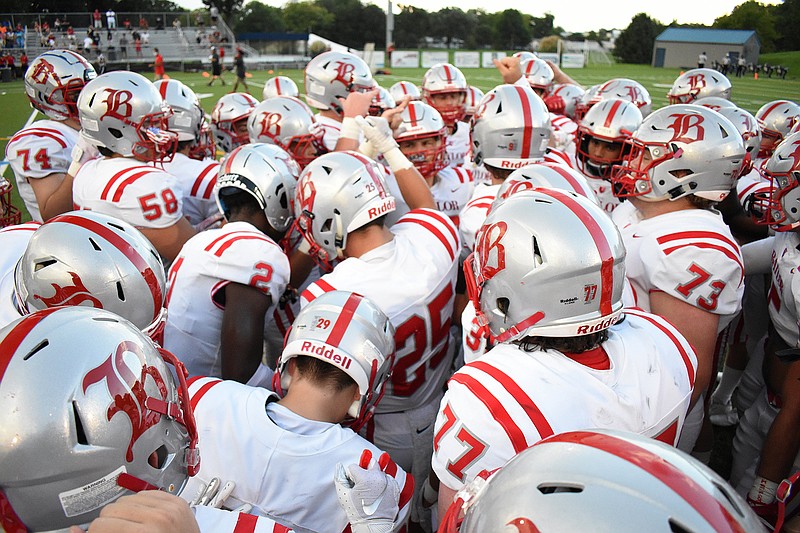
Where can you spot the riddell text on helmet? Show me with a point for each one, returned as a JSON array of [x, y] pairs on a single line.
[[385, 207], [607, 323], [328, 353], [514, 164]]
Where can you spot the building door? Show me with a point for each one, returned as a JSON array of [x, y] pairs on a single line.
[[660, 53]]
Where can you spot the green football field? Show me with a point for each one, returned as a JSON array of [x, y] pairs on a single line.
[[747, 92]]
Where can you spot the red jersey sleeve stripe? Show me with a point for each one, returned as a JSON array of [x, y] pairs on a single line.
[[707, 245], [127, 181], [407, 492], [525, 401], [697, 235], [496, 409], [324, 285], [344, 319], [281, 529], [29, 133], [441, 218], [117, 176], [202, 392], [173, 274], [200, 178], [227, 244], [245, 523], [451, 248], [687, 361]]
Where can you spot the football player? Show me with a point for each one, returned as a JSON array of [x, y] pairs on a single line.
[[445, 88], [229, 120]]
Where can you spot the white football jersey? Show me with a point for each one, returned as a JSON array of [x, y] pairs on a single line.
[[412, 280], [13, 241], [41, 149], [331, 129], [752, 182], [196, 180], [283, 464], [784, 291], [689, 254], [142, 195], [458, 145], [235, 253], [640, 380], [563, 131], [451, 191], [211, 520], [474, 213], [604, 193]]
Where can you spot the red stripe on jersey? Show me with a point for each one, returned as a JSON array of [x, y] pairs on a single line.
[[430, 227], [12, 341], [200, 178], [36, 132], [708, 245], [654, 465], [612, 112], [127, 181], [464, 175], [406, 492], [192, 380], [345, 317], [522, 398], [747, 189], [245, 523], [527, 131], [687, 361], [173, 275], [127, 250], [482, 200], [496, 409], [280, 529], [163, 90], [27, 226], [227, 244], [600, 240], [110, 183], [697, 235], [321, 284], [434, 229], [196, 397]]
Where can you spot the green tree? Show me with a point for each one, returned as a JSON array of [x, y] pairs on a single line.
[[542, 27], [511, 31], [410, 27], [635, 43], [258, 17], [227, 8], [753, 15], [347, 27], [451, 23], [483, 34], [305, 16], [789, 15]]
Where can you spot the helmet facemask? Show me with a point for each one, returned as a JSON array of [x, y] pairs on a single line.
[[157, 143], [429, 161]]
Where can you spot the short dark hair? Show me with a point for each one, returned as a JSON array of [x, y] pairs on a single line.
[[580, 344], [155, 50], [320, 372], [499, 173], [237, 201]]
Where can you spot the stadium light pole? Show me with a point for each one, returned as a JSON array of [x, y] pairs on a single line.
[[389, 25]]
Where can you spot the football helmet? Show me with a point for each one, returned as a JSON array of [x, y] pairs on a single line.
[[699, 83], [594, 474], [124, 112], [91, 259], [279, 86], [401, 89], [381, 102], [474, 97], [565, 249], [333, 75], [54, 80], [588, 99], [714, 102], [444, 78], [253, 168], [350, 332], [538, 73], [626, 89], [547, 175], [205, 147], [776, 119], [747, 126], [524, 56], [779, 206], [287, 122], [187, 115], [681, 149], [230, 111], [511, 128], [338, 193], [90, 412], [9, 213], [572, 96], [420, 121], [612, 121]]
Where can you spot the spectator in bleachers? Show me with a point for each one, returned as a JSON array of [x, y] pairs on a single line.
[[98, 20], [143, 24], [214, 14], [145, 37], [111, 19], [70, 34], [101, 62], [11, 64], [126, 23], [138, 44], [23, 63], [87, 45], [56, 24], [123, 46]]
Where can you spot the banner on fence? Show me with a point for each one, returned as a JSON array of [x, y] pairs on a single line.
[[548, 56], [467, 59], [572, 61], [487, 58], [405, 58], [429, 58]]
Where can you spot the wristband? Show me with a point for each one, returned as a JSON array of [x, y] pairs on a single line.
[[350, 129], [397, 160]]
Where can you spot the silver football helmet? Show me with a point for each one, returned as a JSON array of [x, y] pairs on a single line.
[[229, 120], [588, 99], [333, 75], [89, 411], [562, 250], [474, 97], [403, 89], [94, 260], [747, 126], [714, 102], [547, 175], [350, 332], [572, 96], [611, 121], [279, 86], [524, 56], [337, 193], [420, 121], [776, 119], [626, 89], [699, 83], [444, 78], [780, 205], [124, 112], [511, 128], [253, 168], [54, 80], [679, 150], [581, 480], [187, 115], [538, 74], [287, 122], [382, 101]]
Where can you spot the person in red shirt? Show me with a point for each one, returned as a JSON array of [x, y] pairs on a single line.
[[98, 23], [158, 66]]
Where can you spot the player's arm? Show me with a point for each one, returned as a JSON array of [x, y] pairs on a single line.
[[169, 241], [53, 194], [698, 326], [355, 105], [242, 335], [152, 511]]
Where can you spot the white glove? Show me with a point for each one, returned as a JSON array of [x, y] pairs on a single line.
[[379, 134], [214, 494], [368, 495], [82, 152]]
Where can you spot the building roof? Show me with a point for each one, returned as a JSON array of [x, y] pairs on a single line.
[[705, 35]]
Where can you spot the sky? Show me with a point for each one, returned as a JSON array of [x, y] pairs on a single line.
[[574, 15]]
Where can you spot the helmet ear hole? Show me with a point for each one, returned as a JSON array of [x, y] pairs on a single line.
[[79, 431], [553, 488], [503, 304], [115, 132]]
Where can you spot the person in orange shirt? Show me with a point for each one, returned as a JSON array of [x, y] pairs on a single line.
[[158, 66]]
